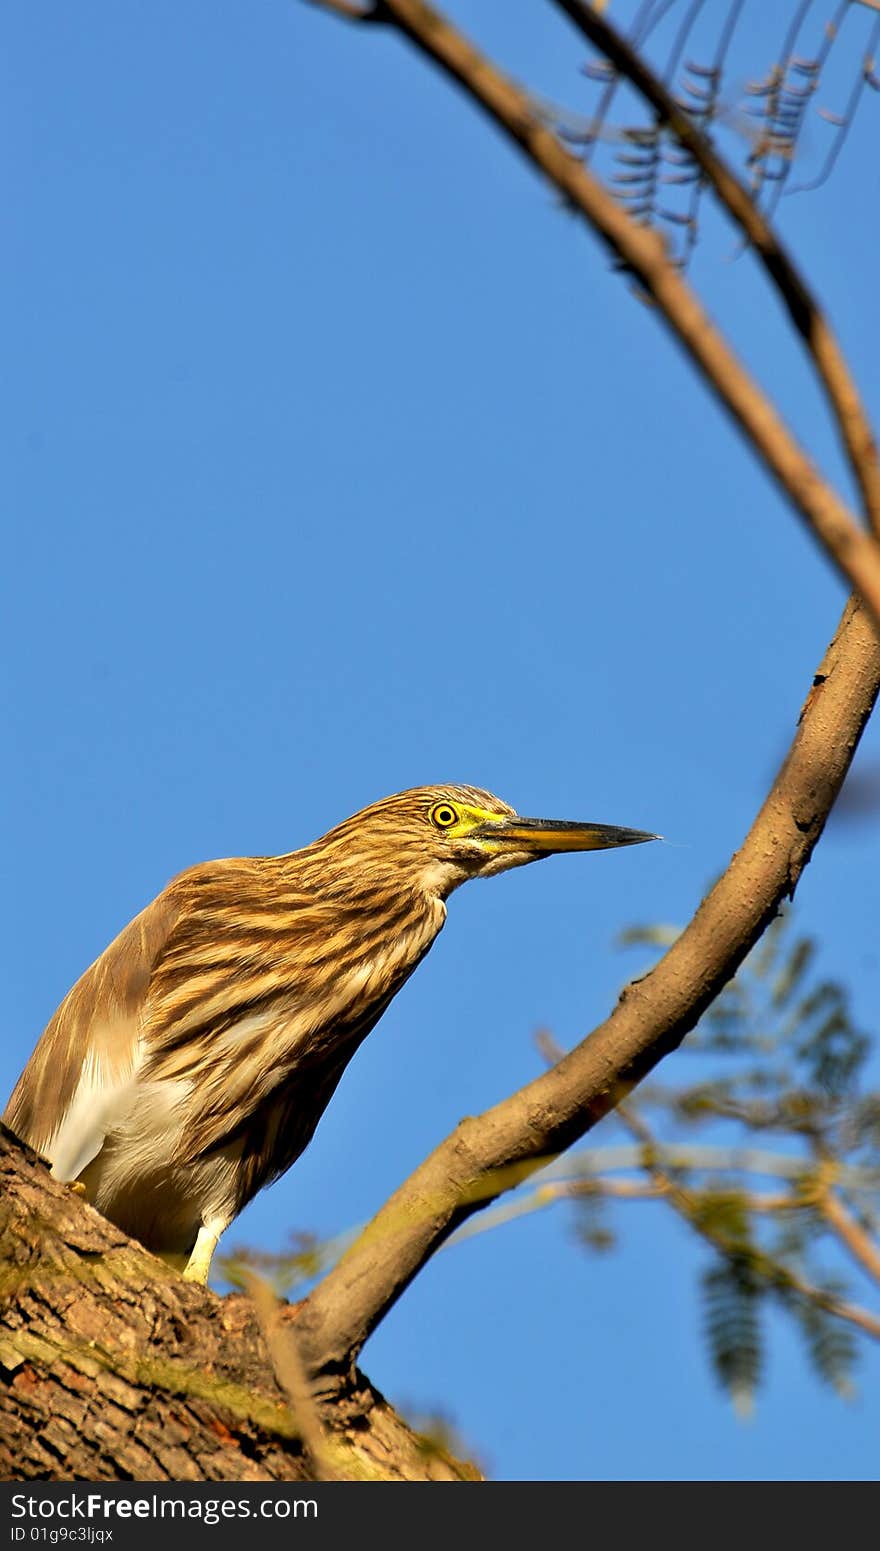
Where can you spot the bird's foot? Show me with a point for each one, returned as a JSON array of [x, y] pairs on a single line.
[[196, 1273]]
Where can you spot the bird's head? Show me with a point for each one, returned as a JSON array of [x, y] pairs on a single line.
[[437, 837]]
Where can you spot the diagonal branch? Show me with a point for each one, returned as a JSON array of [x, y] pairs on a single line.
[[492, 1152], [854, 552], [850, 1232]]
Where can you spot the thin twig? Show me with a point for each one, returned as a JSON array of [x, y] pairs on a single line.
[[764, 1203], [349, 11], [841, 392], [771, 1271], [774, 89], [845, 121], [706, 1158], [291, 1375], [860, 1244]]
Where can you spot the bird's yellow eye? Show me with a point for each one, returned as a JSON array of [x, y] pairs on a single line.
[[444, 815]]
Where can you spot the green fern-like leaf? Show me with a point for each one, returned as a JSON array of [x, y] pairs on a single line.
[[731, 1309], [829, 1342], [831, 1049]]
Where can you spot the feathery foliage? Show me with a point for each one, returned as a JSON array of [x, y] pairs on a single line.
[[778, 1096], [781, 108]]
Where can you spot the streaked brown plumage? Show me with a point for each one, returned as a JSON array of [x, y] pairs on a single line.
[[190, 1065]]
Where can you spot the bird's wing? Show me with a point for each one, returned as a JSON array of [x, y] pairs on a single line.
[[79, 1078]]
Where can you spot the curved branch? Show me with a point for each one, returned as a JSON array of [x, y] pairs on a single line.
[[853, 551], [803, 310], [493, 1152]]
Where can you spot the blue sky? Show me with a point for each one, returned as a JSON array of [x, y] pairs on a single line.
[[338, 462]]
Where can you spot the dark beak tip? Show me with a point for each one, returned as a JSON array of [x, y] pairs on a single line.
[[601, 836], [635, 837]]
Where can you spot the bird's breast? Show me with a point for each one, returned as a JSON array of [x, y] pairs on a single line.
[[228, 1086]]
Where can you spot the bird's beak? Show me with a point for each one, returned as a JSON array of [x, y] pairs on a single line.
[[543, 837]]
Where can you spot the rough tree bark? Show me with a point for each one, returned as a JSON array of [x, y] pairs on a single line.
[[112, 1368]]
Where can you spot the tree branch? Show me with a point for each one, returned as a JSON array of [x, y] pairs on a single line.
[[553, 1193], [854, 552], [491, 1153], [859, 1243]]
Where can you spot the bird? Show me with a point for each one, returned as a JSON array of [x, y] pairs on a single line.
[[190, 1064]]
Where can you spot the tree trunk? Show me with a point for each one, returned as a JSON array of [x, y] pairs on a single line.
[[112, 1368]]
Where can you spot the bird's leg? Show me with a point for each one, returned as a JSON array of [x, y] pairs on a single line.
[[199, 1263]]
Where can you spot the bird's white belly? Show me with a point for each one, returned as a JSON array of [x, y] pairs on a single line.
[[133, 1137], [140, 1180], [122, 1140]]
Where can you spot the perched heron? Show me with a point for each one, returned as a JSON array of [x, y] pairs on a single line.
[[192, 1062]]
